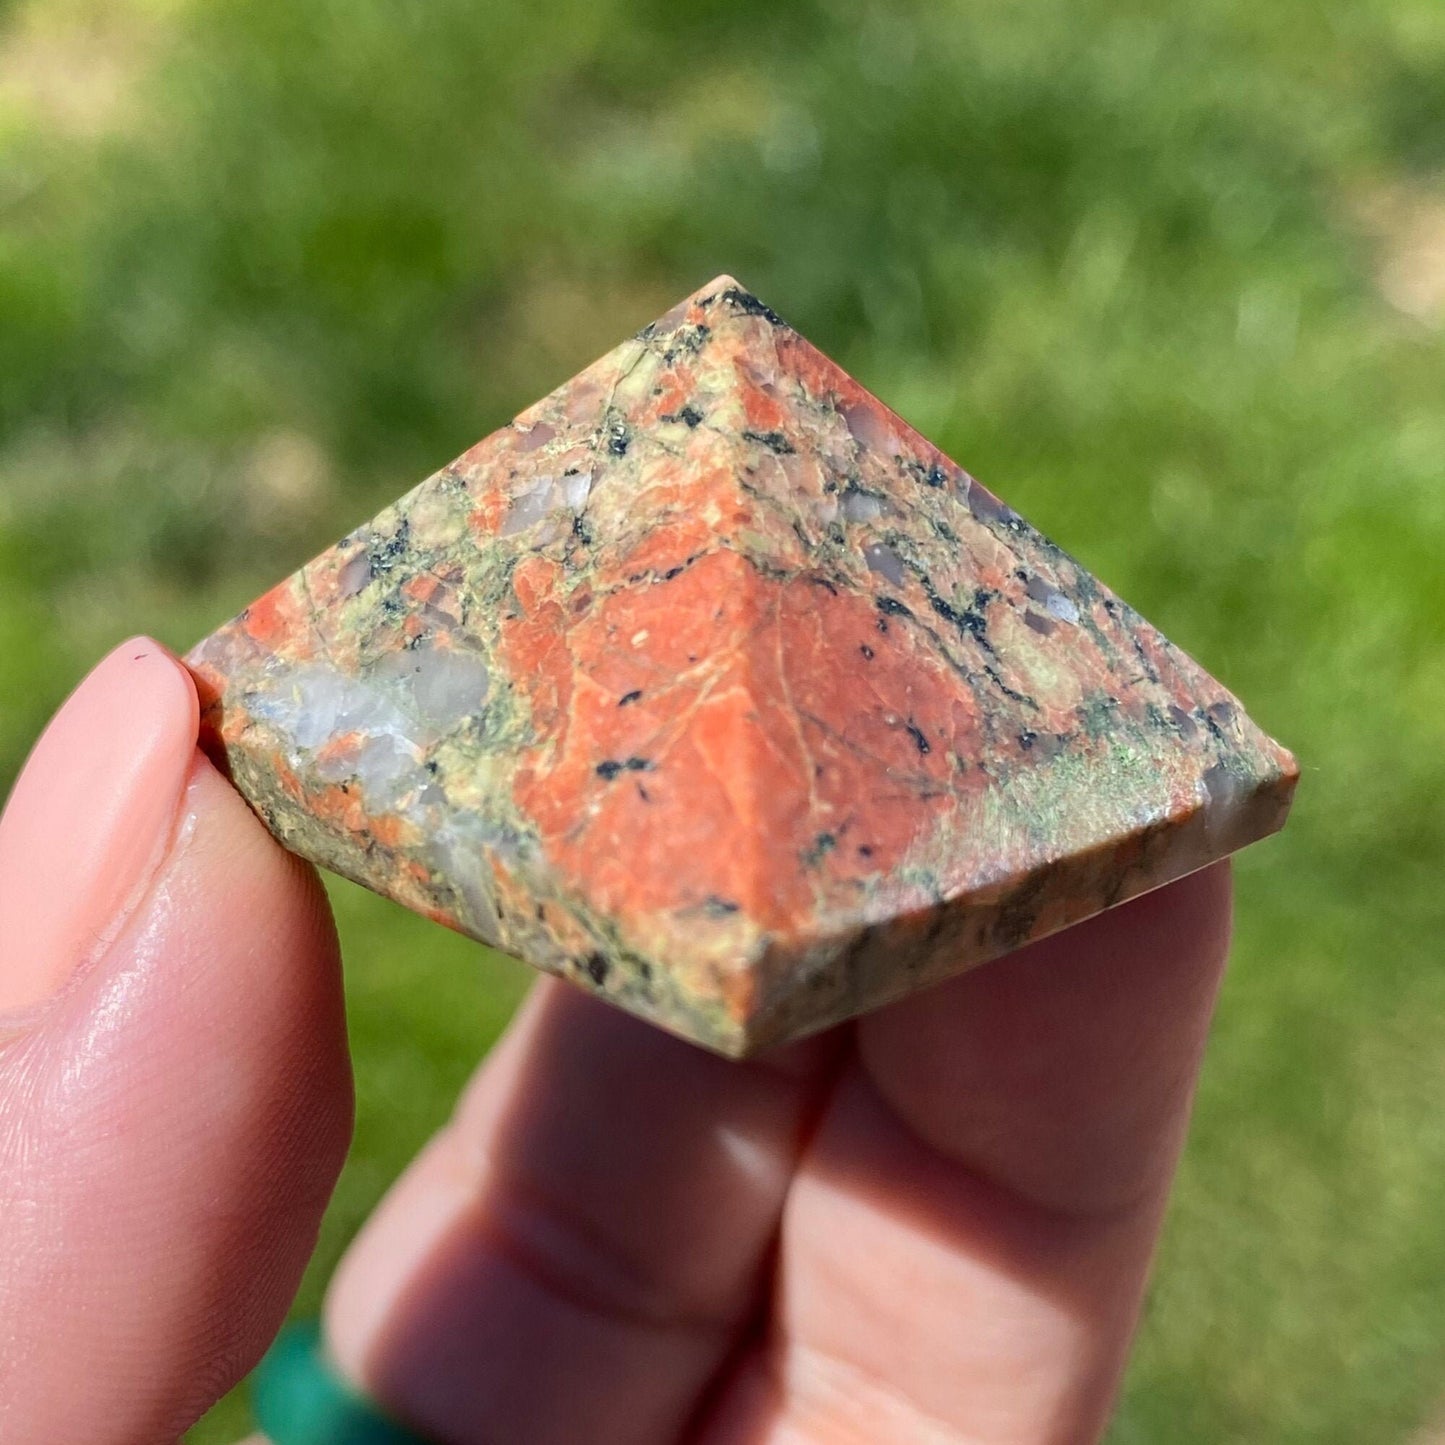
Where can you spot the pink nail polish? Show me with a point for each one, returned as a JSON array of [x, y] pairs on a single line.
[[91, 816]]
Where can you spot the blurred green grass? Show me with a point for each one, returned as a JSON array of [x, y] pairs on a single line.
[[1172, 282]]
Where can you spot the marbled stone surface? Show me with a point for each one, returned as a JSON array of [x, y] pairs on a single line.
[[712, 686]]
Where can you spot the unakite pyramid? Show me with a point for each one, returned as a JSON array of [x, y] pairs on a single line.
[[710, 685]]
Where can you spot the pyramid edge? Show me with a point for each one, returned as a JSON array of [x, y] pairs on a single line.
[[912, 952]]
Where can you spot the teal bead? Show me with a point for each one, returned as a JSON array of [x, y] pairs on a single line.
[[300, 1400]]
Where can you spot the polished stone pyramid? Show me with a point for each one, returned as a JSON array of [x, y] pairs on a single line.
[[712, 686]]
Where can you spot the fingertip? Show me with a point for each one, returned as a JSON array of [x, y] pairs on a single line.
[[91, 816]]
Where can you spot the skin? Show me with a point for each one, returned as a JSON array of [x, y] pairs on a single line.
[[932, 1226]]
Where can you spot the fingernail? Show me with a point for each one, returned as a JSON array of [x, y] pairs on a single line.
[[90, 818]]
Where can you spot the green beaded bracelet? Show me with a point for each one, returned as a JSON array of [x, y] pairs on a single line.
[[299, 1399]]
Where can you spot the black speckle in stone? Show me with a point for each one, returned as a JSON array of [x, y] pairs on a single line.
[[920, 739], [688, 339], [935, 476], [974, 619], [775, 441], [610, 768], [993, 676], [629, 697], [945, 609], [865, 850], [749, 304], [891, 607], [385, 553], [691, 415], [868, 653], [719, 907], [617, 440], [1027, 738], [823, 844], [597, 968]]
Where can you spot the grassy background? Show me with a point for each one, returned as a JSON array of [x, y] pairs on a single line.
[[1174, 286]]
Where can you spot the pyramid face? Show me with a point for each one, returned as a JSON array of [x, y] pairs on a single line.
[[710, 685]]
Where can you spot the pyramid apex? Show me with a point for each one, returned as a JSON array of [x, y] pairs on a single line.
[[723, 282]]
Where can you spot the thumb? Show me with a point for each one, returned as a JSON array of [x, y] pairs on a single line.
[[175, 1095]]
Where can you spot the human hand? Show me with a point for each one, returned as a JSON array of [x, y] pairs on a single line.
[[931, 1226]]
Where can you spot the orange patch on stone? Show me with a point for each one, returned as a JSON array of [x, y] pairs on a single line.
[[278, 618], [720, 784], [423, 587], [678, 385], [764, 413], [337, 804], [286, 777], [342, 747]]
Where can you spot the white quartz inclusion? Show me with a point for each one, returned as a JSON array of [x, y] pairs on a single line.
[[543, 497], [1062, 607], [398, 709], [438, 687], [862, 506], [393, 715]]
